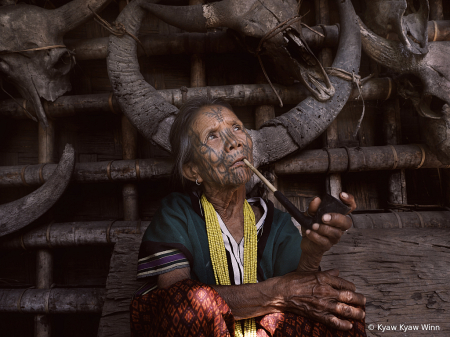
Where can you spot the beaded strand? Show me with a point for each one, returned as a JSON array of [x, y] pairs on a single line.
[[219, 257]]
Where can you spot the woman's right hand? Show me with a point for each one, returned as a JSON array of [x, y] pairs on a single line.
[[321, 296]]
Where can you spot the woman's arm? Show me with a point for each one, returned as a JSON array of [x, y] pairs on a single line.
[[323, 236], [321, 296]]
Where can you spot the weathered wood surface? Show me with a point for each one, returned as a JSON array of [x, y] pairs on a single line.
[[52, 301], [402, 273], [236, 95], [120, 286]]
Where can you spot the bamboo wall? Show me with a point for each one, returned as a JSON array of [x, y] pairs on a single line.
[[98, 137]]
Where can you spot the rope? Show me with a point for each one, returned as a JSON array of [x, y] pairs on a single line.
[[5, 52], [273, 32], [27, 113], [355, 79], [117, 28]]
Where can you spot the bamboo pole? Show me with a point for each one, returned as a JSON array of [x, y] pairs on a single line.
[[220, 42], [104, 233], [236, 95], [130, 190], [333, 180], [310, 161], [436, 10], [52, 301], [44, 258], [74, 234], [392, 136]]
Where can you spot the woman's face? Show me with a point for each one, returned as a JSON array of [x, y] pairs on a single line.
[[220, 143]]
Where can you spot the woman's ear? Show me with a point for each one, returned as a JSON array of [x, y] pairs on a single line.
[[190, 172]]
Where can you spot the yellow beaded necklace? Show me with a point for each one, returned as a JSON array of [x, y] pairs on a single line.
[[219, 257]]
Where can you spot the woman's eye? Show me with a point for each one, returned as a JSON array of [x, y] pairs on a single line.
[[236, 128], [211, 136]]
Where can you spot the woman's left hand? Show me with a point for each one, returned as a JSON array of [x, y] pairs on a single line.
[[323, 236]]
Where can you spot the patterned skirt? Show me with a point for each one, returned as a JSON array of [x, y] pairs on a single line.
[[190, 308]]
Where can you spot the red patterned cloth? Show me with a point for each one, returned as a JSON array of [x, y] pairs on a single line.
[[190, 308]]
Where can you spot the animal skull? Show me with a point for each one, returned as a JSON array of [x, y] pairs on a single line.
[[385, 17], [40, 73], [432, 69], [290, 58]]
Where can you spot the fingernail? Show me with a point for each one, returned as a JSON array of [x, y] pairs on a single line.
[[308, 231], [326, 217], [344, 195], [315, 226]]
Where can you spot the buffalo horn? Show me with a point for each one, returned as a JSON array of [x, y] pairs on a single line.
[[20, 213]]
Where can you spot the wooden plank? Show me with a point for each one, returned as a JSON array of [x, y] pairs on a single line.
[[120, 286], [402, 273]]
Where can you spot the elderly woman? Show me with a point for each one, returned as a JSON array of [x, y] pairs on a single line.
[[221, 265]]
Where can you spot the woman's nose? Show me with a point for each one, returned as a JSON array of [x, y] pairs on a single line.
[[232, 143]]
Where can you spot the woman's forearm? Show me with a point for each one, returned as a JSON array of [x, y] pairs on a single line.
[[251, 300]]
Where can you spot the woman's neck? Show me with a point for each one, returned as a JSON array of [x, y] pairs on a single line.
[[229, 203]]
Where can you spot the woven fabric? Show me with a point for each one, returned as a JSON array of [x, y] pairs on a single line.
[[189, 308]]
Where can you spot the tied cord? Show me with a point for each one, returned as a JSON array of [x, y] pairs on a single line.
[[355, 79], [29, 115], [273, 32], [117, 28]]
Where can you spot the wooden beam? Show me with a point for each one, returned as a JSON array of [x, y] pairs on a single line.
[[52, 301], [220, 42], [236, 95], [310, 161]]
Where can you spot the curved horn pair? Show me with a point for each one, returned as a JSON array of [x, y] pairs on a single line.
[[153, 116], [20, 213]]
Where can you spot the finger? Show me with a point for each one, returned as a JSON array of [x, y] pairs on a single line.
[[349, 200], [332, 272], [337, 282], [333, 234], [337, 323], [351, 297], [347, 311], [337, 220], [322, 241], [313, 206]]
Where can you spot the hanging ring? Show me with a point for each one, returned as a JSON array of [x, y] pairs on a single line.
[[197, 183]]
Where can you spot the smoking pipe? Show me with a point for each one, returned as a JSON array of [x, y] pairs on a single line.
[[329, 203]]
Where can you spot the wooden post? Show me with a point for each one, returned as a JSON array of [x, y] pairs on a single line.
[[333, 180], [198, 70], [129, 151], [436, 10], [44, 258], [436, 14], [392, 136], [263, 113]]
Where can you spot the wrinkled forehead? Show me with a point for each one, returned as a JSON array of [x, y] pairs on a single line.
[[212, 116], [24, 27]]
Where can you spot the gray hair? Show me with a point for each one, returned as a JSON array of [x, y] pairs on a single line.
[[180, 142]]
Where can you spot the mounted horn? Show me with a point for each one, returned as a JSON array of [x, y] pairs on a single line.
[[386, 52], [75, 13], [153, 116], [20, 213], [188, 18]]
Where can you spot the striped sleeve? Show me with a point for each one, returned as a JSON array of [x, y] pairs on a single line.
[[161, 262]]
